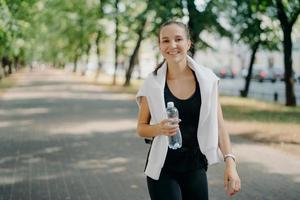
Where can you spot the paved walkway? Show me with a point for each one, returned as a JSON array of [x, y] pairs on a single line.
[[65, 140]]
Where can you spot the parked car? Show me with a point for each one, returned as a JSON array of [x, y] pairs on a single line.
[[277, 73], [273, 74], [261, 74], [226, 72]]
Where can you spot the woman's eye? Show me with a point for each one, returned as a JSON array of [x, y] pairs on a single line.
[[165, 41], [178, 39]]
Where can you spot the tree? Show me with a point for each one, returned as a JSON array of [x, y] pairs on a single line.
[[15, 17], [124, 21], [65, 31], [140, 32], [205, 19], [147, 24], [117, 34], [251, 26], [287, 13]]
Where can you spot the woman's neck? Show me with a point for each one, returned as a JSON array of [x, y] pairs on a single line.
[[176, 70]]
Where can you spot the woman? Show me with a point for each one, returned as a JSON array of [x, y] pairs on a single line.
[[181, 173]]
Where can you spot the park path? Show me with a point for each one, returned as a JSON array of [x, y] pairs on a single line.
[[62, 139]]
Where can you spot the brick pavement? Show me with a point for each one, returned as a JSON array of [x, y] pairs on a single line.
[[61, 139]]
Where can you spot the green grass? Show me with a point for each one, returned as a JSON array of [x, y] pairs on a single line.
[[241, 109]]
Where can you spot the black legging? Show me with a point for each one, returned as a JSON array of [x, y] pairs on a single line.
[[190, 185]]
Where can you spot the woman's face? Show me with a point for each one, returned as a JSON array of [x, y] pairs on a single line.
[[173, 43]]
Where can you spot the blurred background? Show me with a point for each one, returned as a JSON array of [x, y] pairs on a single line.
[[69, 72], [242, 41]]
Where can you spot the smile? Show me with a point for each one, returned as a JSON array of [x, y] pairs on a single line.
[[173, 52]]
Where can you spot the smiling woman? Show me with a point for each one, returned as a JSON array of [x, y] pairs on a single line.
[[174, 43], [181, 173]]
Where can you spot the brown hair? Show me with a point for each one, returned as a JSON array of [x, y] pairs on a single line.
[[170, 22]]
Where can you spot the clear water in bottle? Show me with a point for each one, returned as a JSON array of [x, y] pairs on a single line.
[[175, 141]]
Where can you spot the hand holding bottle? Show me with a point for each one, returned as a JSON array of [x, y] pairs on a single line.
[[175, 141], [169, 127]]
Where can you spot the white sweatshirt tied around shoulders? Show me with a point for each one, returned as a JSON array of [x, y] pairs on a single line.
[[207, 134]]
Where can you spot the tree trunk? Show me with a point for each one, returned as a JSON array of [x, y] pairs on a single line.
[[287, 27], [116, 42], [134, 54], [10, 68], [288, 66], [98, 55], [88, 49], [133, 59], [244, 93], [16, 63], [1, 70], [6, 62], [10, 65], [75, 64], [193, 12]]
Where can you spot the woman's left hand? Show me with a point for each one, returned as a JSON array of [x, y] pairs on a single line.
[[232, 182]]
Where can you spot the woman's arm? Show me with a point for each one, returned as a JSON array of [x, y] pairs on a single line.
[[224, 140], [230, 176], [144, 129]]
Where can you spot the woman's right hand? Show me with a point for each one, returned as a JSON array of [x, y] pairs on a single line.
[[168, 127]]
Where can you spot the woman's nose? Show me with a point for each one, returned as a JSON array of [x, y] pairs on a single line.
[[173, 44]]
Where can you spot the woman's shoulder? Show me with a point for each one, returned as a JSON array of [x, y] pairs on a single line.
[[149, 78], [208, 72], [212, 72]]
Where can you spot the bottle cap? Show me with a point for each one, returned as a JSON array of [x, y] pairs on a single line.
[[170, 104]]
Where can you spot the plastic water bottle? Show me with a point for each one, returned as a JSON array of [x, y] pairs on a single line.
[[175, 141]]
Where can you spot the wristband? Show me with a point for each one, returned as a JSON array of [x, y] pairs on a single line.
[[229, 155]]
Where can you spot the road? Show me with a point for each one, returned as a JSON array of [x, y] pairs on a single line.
[[62, 139]]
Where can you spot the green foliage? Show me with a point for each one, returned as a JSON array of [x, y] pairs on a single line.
[[207, 17], [160, 12], [67, 27], [15, 20], [56, 31], [251, 24]]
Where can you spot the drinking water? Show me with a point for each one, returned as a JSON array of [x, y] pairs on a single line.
[[175, 141]]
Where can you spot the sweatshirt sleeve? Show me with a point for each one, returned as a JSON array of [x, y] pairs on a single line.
[[214, 75], [142, 91]]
